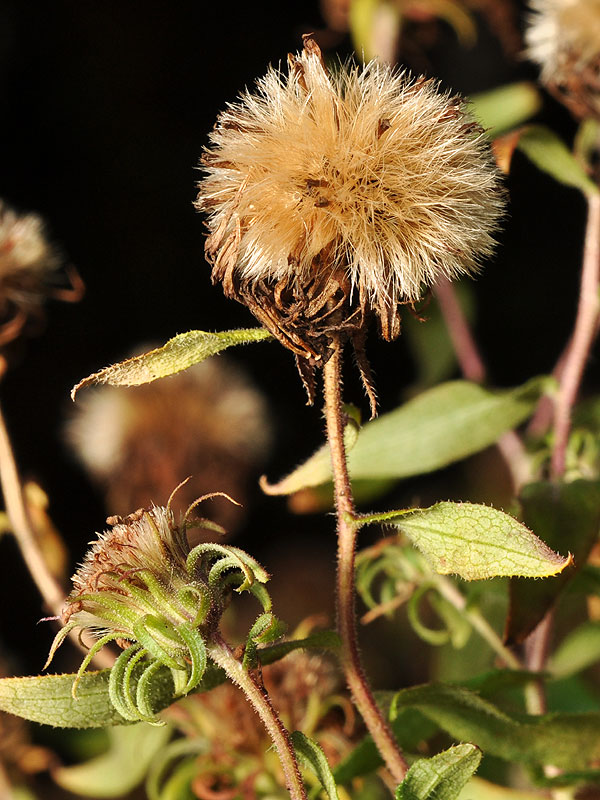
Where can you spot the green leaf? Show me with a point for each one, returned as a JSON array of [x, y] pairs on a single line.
[[567, 741], [310, 754], [579, 650], [474, 541], [442, 425], [479, 789], [131, 751], [441, 777], [550, 154], [563, 515], [177, 354], [502, 109]]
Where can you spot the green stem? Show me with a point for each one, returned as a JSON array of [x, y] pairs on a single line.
[[346, 608], [221, 654], [448, 590]]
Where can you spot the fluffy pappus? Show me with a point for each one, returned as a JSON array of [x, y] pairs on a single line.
[[333, 196], [563, 37]]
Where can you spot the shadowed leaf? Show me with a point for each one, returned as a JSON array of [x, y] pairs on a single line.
[[563, 515]]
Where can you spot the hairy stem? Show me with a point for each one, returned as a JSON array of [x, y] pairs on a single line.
[[257, 695], [346, 607], [584, 333], [52, 592]]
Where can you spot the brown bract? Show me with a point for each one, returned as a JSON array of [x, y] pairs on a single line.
[[336, 197]]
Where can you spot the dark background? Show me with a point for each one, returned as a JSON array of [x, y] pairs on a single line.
[[105, 109]]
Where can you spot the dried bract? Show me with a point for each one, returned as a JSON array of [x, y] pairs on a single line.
[[564, 39], [333, 196]]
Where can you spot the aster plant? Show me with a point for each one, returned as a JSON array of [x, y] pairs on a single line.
[[336, 198]]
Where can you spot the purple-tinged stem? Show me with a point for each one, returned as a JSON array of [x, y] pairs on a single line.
[[584, 333]]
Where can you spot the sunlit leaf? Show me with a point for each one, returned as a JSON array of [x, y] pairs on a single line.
[[479, 789], [563, 515], [177, 354], [310, 754], [441, 777], [499, 110], [442, 425], [567, 741], [474, 541], [550, 154], [131, 751]]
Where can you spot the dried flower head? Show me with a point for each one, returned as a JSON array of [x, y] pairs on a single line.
[[564, 39], [143, 586], [334, 195], [209, 422], [28, 266]]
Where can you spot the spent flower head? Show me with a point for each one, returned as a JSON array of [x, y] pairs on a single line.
[[563, 37], [143, 586], [332, 196]]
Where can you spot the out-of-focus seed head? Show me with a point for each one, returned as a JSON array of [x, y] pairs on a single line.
[[209, 422], [563, 37], [333, 196]]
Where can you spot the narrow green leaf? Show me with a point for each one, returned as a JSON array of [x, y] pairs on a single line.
[[441, 777], [442, 425], [563, 515], [567, 741], [550, 154], [131, 751], [177, 354], [579, 650], [310, 754], [479, 789], [474, 541], [502, 109]]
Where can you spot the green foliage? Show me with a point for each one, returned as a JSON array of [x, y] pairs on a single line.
[[502, 109], [177, 354], [474, 541], [549, 153], [311, 755], [442, 425], [563, 515], [441, 777], [579, 650], [568, 741], [131, 751]]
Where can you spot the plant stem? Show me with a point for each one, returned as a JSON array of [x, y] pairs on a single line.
[[473, 369], [221, 654], [448, 590], [586, 325], [346, 611], [52, 592]]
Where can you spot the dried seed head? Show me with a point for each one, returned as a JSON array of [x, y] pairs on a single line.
[[564, 39], [334, 195], [209, 422]]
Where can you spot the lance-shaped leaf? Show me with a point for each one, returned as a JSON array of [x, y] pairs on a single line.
[[567, 741], [474, 541], [550, 154], [48, 699], [310, 754], [177, 354], [442, 425], [563, 515], [499, 110], [119, 770], [441, 777]]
